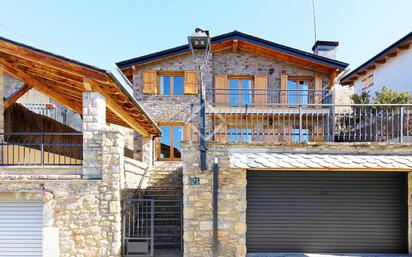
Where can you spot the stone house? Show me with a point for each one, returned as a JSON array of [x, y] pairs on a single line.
[[289, 168]]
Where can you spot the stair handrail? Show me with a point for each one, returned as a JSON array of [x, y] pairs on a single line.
[[138, 189]]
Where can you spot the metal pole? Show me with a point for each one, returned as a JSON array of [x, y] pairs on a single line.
[[401, 111], [41, 149], [300, 123], [215, 206], [202, 125]]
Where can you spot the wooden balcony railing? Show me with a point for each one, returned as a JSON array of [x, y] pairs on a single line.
[[39, 149], [277, 123]]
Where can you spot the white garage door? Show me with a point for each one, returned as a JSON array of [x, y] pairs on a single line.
[[21, 226]]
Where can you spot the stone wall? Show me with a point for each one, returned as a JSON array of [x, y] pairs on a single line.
[[197, 200], [247, 63], [178, 108], [82, 216]]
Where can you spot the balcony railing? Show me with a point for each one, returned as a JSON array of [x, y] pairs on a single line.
[[50, 110], [278, 123], [236, 97], [38, 149]]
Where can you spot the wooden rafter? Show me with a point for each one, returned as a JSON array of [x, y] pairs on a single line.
[[115, 107], [19, 93], [63, 80], [234, 46], [48, 60], [26, 78]]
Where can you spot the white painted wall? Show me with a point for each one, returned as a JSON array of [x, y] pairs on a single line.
[[396, 73]]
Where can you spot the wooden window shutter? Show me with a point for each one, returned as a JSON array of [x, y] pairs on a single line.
[[318, 89], [149, 82], [221, 133], [187, 131], [191, 85], [261, 90], [283, 88], [157, 147], [221, 89]]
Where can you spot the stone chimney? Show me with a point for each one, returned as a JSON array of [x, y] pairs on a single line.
[[325, 48]]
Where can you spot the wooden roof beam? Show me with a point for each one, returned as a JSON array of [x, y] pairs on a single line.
[[115, 107], [46, 59], [26, 78], [19, 93], [381, 61], [235, 46]]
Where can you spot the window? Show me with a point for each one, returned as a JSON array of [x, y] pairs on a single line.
[[170, 148], [298, 91], [296, 135], [240, 135], [171, 84], [240, 91], [367, 82]]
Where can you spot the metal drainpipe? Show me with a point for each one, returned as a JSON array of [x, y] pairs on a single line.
[[215, 206]]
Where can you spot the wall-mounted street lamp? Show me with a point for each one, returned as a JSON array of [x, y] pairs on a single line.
[[200, 44]]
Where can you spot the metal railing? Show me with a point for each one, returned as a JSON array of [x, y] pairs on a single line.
[[138, 227], [242, 97], [38, 149], [278, 123], [50, 110]]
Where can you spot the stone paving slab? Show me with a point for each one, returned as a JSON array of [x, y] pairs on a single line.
[[324, 255]]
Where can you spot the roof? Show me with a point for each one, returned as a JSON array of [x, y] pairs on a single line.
[[64, 80], [380, 58], [236, 35], [318, 161]]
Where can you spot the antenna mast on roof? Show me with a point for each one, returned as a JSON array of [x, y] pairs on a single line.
[[314, 18]]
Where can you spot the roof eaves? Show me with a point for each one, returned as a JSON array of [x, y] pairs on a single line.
[[121, 85], [378, 56], [56, 56], [239, 36]]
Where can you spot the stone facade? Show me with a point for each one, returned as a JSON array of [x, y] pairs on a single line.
[[82, 216], [178, 108], [232, 204], [81, 205]]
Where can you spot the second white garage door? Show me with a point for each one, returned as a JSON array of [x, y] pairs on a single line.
[[21, 225]]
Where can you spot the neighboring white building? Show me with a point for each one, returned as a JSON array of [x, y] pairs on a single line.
[[391, 68]]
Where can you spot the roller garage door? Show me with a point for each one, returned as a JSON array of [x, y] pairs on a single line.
[[326, 212], [21, 227]]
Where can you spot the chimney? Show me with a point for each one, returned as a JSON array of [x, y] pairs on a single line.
[[325, 48]]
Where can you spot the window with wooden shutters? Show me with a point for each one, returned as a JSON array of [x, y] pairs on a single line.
[[149, 82], [191, 85], [260, 90], [221, 89]]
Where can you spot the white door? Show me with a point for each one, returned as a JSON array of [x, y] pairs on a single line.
[[21, 225]]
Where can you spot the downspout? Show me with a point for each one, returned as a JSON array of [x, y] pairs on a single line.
[[215, 207]]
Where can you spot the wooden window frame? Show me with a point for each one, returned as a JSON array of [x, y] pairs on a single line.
[[158, 143], [172, 81], [240, 78], [298, 80]]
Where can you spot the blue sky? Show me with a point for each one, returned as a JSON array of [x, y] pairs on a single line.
[[104, 32]]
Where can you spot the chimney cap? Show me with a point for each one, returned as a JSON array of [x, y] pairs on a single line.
[[331, 44]]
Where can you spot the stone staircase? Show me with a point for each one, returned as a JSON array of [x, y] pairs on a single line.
[[165, 186]]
